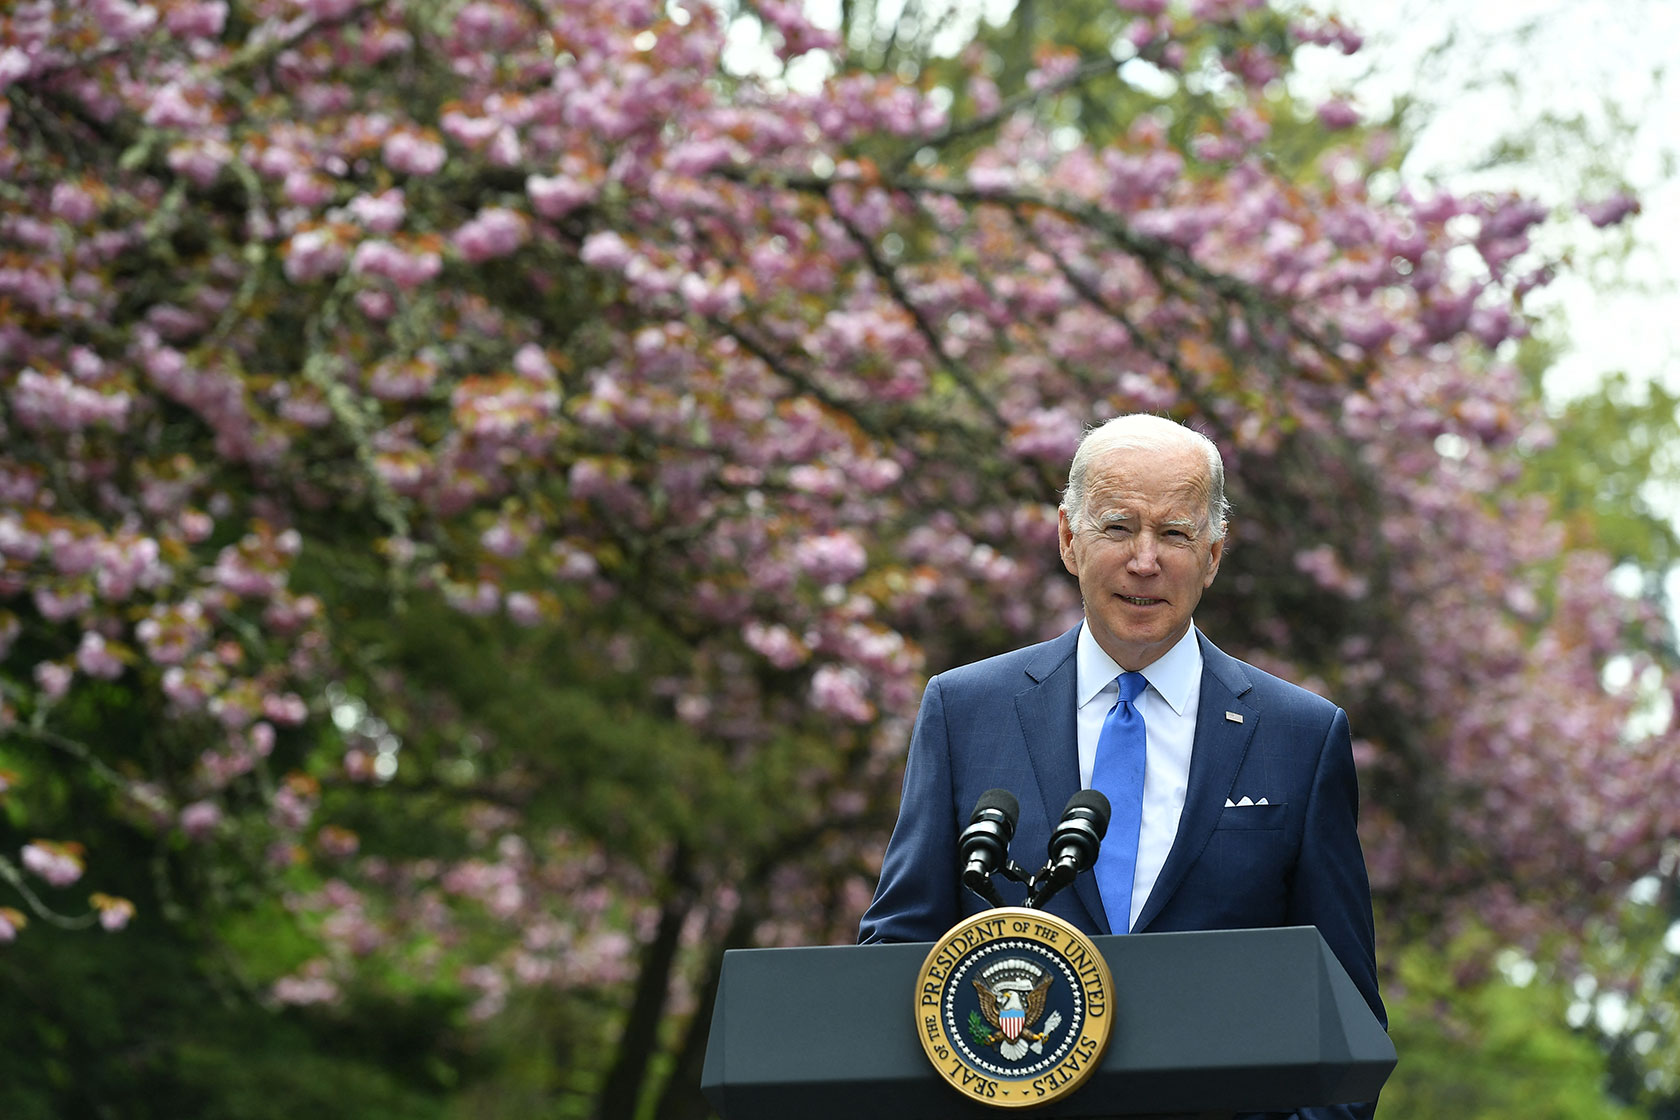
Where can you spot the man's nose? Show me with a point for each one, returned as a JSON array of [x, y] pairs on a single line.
[[1145, 558]]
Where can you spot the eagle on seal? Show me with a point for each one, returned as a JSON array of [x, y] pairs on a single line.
[[1012, 1011]]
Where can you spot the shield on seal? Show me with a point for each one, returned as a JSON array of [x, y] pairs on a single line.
[[1012, 1017]]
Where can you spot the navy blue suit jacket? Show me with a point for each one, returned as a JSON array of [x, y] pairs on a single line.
[[1009, 722]]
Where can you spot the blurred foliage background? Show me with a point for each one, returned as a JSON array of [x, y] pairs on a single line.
[[476, 718]]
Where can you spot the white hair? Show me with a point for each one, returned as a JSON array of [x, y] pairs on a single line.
[[1142, 431]]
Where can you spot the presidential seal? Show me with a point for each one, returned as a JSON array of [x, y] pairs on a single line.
[[1013, 1007]]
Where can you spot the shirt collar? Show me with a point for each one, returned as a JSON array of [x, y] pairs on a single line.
[[1176, 674]]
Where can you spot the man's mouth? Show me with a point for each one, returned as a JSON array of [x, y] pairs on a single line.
[[1139, 600]]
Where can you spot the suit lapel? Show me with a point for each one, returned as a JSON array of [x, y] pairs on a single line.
[[1215, 758], [1047, 710]]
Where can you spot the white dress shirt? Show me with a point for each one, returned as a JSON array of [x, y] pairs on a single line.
[[1168, 707]]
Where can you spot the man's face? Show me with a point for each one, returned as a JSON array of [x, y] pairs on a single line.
[[1144, 551]]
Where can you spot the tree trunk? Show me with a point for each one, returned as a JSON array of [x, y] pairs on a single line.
[[681, 1098], [623, 1086]]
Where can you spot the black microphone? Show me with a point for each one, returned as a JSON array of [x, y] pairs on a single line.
[[1074, 844], [984, 844]]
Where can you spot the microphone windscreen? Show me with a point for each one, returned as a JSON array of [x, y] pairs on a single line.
[[1004, 802], [1095, 804]]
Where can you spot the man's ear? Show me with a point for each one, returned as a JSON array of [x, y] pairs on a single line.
[[1064, 537], [1216, 552]]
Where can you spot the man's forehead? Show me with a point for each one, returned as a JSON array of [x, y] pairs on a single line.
[[1187, 499]]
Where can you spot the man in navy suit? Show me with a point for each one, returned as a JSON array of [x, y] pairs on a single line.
[[1249, 796]]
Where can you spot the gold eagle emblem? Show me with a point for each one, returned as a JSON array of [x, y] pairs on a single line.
[[1031, 1001]]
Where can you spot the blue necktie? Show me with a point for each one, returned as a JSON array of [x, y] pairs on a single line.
[[1118, 775]]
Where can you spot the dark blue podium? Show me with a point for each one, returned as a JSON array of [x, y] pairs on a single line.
[[1207, 1024]]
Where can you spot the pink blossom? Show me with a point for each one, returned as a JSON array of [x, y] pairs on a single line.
[[14, 66], [505, 148], [555, 196], [340, 843], [114, 913], [58, 605], [200, 819], [1141, 33], [201, 160], [313, 254], [993, 179], [55, 401], [412, 154], [606, 250], [313, 987], [798, 34], [504, 540], [53, 679], [698, 157], [524, 608], [58, 864], [262, 739], [32, 287], [127, 564], [122, 20], [572, 563], [72, 203], [1328, 571], [1330, 33], [483, 25], [1509, 217], [327, 10], [288, 710], [33, 233], [1493, 325], [492, 988], [1610, 211], [380, 213], [1046, 433], [290, 809], [494, 232], [189, 687], [839, 690], [1440, 208], [476, 599], [377, 305], [403, 377], [1338, 113], [468, 131], [175, 323], [95, 658], [170, 633], [710, 299], [174, 107], [531, 363], [307, 189], [404, 269], [245, 575], [17, 541], [831, 557], [197, 19], [777, 644]]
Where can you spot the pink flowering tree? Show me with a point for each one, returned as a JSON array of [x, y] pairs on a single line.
[[491, 481]]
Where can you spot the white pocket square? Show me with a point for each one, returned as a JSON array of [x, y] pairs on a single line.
[[1247, 801]]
